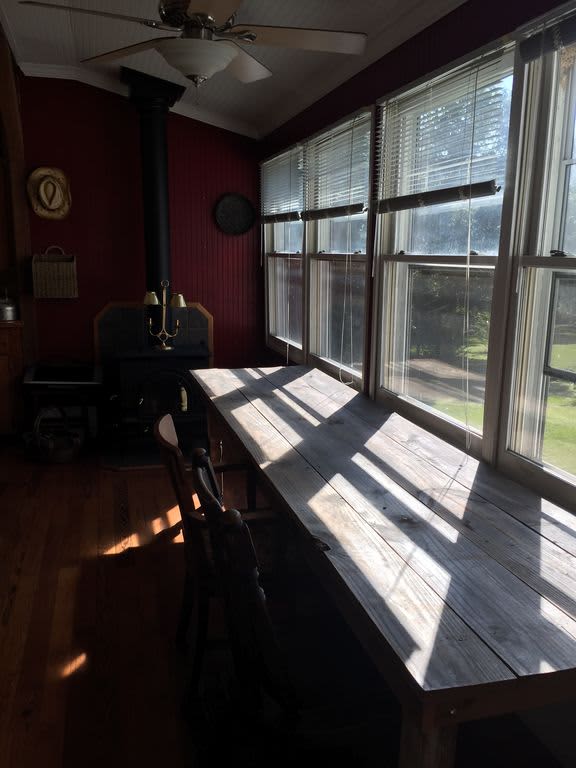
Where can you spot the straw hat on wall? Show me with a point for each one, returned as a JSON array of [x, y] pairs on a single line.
[[49, 193]]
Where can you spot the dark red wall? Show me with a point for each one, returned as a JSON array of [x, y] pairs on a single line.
[[93, 136], [221, 271]]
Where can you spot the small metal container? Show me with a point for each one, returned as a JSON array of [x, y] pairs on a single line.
[[8, 310]]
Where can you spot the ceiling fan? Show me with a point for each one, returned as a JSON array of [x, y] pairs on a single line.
[[207, 39]]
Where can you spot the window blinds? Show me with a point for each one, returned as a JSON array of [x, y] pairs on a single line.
[[282, 187], [443, 141], [337, 170]]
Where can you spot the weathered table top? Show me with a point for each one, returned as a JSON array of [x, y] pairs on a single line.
[[461, 582]]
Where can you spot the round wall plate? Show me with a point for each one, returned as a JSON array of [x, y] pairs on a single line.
[[234, 214]]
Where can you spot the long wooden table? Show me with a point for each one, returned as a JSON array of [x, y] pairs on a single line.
[[460, 583]]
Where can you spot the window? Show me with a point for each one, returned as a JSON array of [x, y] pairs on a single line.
[[337, 196], [542, 426], [561, 342], [337, 312], [442, 170], [282, 185], [315, 210], [285, 298], [464, 187]]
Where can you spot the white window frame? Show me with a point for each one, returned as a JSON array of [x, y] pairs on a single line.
[[387, 333], [310, 251], [292, 351], [317, 292], [525, 238], [534, 228]]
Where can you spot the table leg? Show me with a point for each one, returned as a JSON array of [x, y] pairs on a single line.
[[426, 746]]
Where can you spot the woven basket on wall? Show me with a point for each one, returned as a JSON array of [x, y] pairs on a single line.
[[54, 274]]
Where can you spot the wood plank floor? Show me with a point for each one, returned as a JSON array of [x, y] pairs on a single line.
[[90, 576]]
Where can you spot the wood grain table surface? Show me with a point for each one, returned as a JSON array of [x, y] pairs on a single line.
[[459, 582]]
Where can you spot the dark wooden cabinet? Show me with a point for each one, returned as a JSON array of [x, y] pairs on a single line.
[[11, 370]]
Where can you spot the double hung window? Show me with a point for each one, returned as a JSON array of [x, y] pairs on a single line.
[[542, 424], [282, 191], [458, 228], [337, 193], [443, 148], [315, 212]]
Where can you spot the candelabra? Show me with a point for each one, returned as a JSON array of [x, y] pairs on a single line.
[[177, 300]]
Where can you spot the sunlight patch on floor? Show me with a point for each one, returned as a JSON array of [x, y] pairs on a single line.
[[168, 520], [73, 665], [128, 542]]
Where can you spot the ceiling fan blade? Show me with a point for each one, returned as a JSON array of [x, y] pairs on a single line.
[[306, 39], [90, 12], [220, 10], [246, 68], [129, 50]]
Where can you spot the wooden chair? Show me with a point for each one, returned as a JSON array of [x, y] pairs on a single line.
[[199, 577], [258, 662], [199, 583], [231, 570]]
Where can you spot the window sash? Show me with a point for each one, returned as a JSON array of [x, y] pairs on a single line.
[[544, 138], [395, 222], [550, 368], [282, 237], [285, 298], [334, 310]]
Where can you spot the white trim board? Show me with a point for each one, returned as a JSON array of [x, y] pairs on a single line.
[[108, 83]]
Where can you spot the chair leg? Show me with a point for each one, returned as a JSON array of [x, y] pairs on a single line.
[[188, 598], [197, 634]]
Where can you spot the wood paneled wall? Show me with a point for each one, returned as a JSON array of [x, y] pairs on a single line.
[[220, 271], [93, 136]]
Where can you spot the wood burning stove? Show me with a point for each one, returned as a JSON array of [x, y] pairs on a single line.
[[146, 384], [142, 382]]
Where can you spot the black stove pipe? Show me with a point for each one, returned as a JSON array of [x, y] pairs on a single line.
[[153, 98]]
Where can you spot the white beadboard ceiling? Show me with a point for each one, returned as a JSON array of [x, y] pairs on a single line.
[[51, 43]]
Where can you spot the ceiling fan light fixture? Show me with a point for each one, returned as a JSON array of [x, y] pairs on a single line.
[[198, 59]]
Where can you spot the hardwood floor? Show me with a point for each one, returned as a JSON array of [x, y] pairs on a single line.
[[90, 578], [90, 572]]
